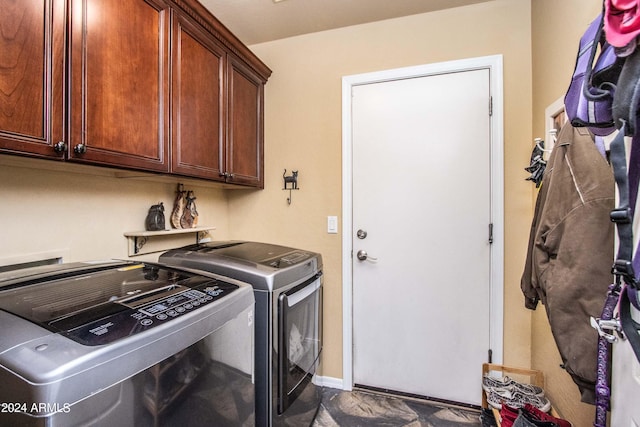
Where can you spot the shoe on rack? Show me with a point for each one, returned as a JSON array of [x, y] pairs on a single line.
[[508, 415], [543, 416], [528, 389], [516, 399], [506, 383], [525, 419], [496, 398], [487, 419], [489, 382]]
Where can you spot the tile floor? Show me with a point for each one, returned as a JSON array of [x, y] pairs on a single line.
[[361, 408]]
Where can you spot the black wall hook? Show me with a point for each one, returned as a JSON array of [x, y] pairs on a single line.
[[292, 180]]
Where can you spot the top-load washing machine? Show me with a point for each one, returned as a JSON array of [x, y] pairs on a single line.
[[287, 285], [125, 344]]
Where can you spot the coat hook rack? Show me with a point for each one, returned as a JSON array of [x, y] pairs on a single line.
[[290, 179]]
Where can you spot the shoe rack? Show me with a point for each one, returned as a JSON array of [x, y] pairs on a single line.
[[527, 376]]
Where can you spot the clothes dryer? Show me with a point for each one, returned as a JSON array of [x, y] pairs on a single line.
[[287, 285]]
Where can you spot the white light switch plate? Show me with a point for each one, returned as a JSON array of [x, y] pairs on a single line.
[[332, 224]]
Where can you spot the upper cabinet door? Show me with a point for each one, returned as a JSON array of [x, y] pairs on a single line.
[[120, 83], [31, 77], [245, 125], [198, 102]]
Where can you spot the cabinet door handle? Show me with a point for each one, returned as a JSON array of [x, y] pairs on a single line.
[[60, 147], [80, 149]]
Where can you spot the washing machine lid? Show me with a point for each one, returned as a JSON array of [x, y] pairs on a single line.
[[263, 265], [20, 276], [265, 254], [98, 303]]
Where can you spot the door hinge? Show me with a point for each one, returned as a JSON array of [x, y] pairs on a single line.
[[490, 356], [490, 233], [490, 106]]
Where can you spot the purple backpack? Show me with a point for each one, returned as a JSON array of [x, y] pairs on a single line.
[[588, 102]]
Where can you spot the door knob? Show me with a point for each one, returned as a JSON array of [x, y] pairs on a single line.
[[361, 234], [363, 256]]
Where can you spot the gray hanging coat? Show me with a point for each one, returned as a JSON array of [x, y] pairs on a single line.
[[570, 251]]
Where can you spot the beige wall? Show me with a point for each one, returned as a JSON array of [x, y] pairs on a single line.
[[83, 215], [303, 131], [555, 36]]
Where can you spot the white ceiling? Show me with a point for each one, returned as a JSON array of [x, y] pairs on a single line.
[[258, 21]]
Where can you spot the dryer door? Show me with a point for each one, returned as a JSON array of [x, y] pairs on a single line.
[[299, 340]]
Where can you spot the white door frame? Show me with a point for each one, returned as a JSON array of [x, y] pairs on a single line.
[[494, 65]]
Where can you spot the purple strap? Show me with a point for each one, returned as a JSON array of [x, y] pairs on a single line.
[[585, 104], [634, 182], [603, 392], [627, 266], [632, 294], [634, 172]]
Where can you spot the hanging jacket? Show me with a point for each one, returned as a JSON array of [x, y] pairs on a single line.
[[570, 252]]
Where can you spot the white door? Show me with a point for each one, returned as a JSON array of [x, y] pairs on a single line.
[[422, 194]]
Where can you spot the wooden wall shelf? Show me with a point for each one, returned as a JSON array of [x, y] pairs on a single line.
[[163, 239]]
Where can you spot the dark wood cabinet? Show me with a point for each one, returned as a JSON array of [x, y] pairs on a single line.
[[150, 85], [119, 78], [31, 77], [244, 155], [198, 102], [217, 105]]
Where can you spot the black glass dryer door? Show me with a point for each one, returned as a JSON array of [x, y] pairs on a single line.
[[300, 339]]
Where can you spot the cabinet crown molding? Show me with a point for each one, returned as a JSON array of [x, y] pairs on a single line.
[[202, 15]]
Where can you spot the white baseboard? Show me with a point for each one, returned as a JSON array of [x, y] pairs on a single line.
[[328, 382]]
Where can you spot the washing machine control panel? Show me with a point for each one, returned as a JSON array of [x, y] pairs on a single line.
[[133, 315]]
